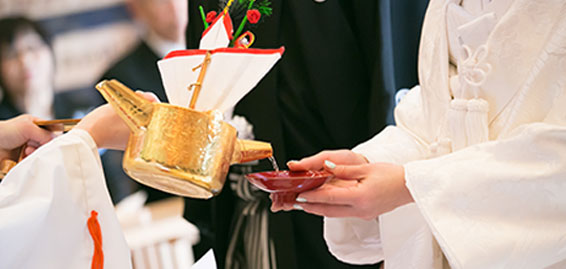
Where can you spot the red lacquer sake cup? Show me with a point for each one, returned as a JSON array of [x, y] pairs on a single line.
[[286, 185]]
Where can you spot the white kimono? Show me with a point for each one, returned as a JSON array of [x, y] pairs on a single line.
[[483, 144], [45, 202]]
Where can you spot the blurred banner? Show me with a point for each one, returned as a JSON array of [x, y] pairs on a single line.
[[88, 35]]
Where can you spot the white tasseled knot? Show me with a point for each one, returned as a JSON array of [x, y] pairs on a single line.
[[466, 119], [478, 105], [473, 70], [476, 121], [456, 123], [467, 122]]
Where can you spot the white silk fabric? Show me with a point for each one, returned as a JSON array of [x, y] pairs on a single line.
[[489, 188], [45, 202]]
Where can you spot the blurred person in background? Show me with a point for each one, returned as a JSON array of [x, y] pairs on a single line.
[[26, 69], [163, 24]]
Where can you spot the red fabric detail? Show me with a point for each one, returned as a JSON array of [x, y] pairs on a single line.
[[227, 25], [96, 234], [178, 53]]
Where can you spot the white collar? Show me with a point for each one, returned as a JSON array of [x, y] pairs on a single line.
[[161, 46]]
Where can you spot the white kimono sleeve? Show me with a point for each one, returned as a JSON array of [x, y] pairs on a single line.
[[499, 204], [359, 241], [45, 202]]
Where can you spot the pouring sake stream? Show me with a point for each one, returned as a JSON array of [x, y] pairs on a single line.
[[175, 149]]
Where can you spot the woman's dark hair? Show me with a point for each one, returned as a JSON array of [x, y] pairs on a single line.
[[11, 27]]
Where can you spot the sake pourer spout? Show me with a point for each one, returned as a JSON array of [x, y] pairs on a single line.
[[250, 150], [132, 108]]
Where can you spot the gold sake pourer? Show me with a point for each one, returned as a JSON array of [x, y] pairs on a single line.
[[176, 149]]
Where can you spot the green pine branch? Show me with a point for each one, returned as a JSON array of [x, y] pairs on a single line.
[[264, 7]]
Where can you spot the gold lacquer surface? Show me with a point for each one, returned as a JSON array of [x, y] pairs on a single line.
[[178, 150], [188, 145], [5, 166]]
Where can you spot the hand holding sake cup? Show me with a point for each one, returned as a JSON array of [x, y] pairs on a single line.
[[304, 175], [357, 189], [315, 165]]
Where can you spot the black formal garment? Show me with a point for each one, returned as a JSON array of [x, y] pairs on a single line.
[[7, 109], [137, 70], [330, 90]]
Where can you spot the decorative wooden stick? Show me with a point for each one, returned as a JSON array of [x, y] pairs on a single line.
[[197, 86], [64, 125]]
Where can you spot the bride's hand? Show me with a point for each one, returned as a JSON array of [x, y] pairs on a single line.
[[363, 191], [359, 189], [315, 163]]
